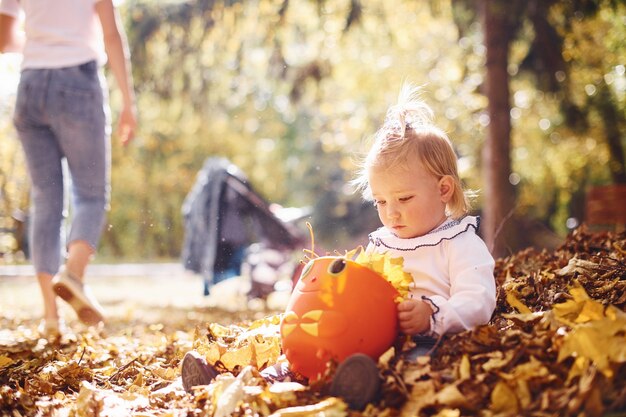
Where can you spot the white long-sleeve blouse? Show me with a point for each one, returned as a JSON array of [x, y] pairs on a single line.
[[452, 269]]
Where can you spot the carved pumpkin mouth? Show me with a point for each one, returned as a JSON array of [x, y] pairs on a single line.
[[316, 323]]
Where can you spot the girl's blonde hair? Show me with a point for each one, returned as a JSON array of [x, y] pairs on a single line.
[[407, 136]]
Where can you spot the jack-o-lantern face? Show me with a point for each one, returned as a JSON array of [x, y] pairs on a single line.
[[338, 308]]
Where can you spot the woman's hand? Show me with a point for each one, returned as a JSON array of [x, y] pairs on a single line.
[[127, 124], [116, 47], [414, 317]]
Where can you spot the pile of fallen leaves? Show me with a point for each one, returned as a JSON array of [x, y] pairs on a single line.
[[556, 346]]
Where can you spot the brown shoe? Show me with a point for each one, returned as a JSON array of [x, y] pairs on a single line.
[[357, 381], [196, 371]]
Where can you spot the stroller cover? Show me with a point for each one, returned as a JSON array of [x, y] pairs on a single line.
[[223, 216]]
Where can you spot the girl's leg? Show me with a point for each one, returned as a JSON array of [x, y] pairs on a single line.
[[423, 347], [357, 380], [196, 371]]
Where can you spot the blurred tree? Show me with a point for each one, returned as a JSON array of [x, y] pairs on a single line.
[[548, 22], [291, 92], [14, 184], [14, 192], [500, 20]]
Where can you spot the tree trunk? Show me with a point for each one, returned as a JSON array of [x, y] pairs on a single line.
[[498, 192], [613, 121]]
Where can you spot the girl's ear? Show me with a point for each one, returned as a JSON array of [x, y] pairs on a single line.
[[446, 188]]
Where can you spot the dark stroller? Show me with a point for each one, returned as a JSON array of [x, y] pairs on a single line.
[[226, 221]]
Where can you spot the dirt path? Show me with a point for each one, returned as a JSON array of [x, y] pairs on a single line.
[[152, 293]]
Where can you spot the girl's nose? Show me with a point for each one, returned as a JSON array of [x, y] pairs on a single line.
[[392, 211]]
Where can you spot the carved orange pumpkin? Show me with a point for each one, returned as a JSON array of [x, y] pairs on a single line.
[[337, 308]]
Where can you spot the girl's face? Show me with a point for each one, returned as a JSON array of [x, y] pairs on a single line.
[[410, 202]]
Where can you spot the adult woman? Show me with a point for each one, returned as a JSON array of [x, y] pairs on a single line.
[[61, 113]]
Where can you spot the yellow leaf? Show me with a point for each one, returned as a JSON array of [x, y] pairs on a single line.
[[5, 361], [497, 360], [227, 396], [422, 395], [503, 399], [392, 269], [526, 318], [583, 341], [167, 373], [590, 311], [256, 344], [237, 357], [212, 352], [465, 368], [579, 367], [446, 412], [516, 303], [522, 392], [330, 407], [138, 380], [596, 332], [451, 396], [532, 368], [579, 309]]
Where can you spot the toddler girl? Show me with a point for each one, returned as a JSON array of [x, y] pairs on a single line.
[[411, 175]]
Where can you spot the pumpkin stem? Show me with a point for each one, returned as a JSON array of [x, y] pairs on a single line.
[[311, 252]]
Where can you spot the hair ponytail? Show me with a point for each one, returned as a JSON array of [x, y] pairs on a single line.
[[407, 136]]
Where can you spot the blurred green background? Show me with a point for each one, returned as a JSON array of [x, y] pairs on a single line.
[[291, 91]]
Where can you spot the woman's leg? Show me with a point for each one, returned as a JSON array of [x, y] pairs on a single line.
[[49, 297], [43, 158], [81, 124], [79, 120], [79, 253]]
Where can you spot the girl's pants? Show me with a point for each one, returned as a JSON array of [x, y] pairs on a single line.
[[423, 347], [61, 114]]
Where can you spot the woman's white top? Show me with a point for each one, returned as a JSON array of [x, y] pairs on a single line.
[[59, 33], [452, 269]]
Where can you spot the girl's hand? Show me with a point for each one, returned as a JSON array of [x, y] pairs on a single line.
[[414, 317]]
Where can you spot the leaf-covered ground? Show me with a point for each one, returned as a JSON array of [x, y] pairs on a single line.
[[556, 347]]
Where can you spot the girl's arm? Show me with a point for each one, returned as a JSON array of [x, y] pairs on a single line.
[[11, 38], [472, 287], [116, 47]]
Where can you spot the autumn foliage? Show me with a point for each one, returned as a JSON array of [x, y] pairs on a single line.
[[554, 347]]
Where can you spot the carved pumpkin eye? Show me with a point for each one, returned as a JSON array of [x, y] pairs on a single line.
[[337, 266], [307, 268]]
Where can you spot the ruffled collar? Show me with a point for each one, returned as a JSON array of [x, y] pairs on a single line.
[[450, 229]]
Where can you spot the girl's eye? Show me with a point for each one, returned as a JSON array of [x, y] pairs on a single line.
[[403, 199], [378, 203]]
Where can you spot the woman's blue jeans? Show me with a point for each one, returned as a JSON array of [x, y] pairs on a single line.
[[62, 114]]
